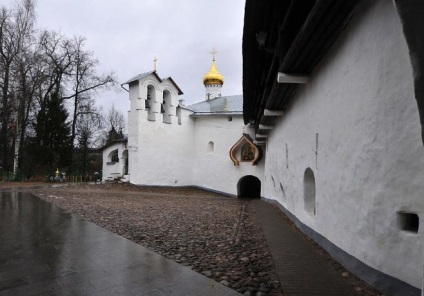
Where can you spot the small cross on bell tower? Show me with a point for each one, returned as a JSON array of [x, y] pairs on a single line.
[[154, 64]]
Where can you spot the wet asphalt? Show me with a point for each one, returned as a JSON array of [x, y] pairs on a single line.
[[46, 251]]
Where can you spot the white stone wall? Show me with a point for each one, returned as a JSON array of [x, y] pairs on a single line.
[[370, 159], [160, 144], [165, 153], [178, 155], [136, 114], [215, 170], [168, 147]]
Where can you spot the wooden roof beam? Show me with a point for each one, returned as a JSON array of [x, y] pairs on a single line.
[[259, 142], [266, 127], [262, 136], [273, 112], [289, 78]]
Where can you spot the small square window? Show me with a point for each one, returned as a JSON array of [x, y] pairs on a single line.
[[230, 118], [408, 222]]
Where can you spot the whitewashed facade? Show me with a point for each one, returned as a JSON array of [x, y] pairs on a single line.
[[356, 127], [170, 144], [345, 160], [115, 160]]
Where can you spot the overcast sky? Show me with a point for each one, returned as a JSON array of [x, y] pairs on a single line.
[[126, 35]]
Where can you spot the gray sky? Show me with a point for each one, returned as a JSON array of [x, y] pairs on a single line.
[[126, 35]]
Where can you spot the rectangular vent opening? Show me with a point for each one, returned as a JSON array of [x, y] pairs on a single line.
[[408, 222]]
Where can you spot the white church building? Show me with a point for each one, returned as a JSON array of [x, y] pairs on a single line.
[[329, 128], [205, 144]]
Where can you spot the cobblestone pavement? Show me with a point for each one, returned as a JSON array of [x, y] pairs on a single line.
[[215, 235]]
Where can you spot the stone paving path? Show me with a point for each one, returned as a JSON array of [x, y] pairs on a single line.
[[215, 235], [226, 239], [301, 270]]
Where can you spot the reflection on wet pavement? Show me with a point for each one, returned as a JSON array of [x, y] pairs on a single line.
[[45, 251]]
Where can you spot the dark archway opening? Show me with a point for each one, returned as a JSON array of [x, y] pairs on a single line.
[[309, 191], [249, 186]]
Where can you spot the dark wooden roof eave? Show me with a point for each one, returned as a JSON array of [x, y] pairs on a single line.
[[323, 23]]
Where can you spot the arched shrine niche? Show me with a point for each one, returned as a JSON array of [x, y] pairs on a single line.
[[244, 150]]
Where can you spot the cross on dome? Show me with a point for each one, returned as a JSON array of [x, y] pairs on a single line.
[[213, 77], [213, 80], [213, 52]]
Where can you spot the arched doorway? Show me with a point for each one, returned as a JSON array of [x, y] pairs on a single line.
[[125, 163], [249, 186]]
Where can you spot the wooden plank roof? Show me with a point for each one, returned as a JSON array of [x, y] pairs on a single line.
[[285, 36]]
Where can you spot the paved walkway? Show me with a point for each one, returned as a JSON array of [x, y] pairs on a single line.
[[45, 251], [301, 270]]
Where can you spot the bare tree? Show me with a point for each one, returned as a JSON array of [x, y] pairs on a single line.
[[84, 82], [88, 135], [16, 31], [115, 119], [34, 67], [114, 125], [56, 65]]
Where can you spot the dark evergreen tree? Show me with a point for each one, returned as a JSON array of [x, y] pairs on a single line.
[[82, 154], [52, 146]]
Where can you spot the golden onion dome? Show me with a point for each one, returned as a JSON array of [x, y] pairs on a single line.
[[213, 76]]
